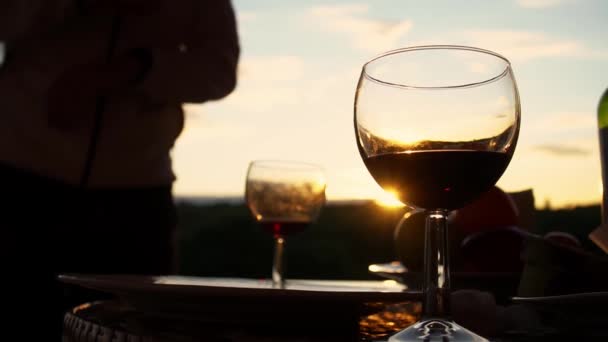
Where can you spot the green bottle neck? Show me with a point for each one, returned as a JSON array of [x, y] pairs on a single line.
[[602, 111]]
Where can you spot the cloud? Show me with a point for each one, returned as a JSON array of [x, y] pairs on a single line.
[[528, 45], [203, 124], [269, 69], [564, 122], [520, 45], [373, 35], [523, 45], [364, 33], [540, 3], [266, 100], [267, 83], [562, 134], [562, 150]]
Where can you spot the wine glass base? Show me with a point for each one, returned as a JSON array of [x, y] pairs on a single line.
[[436, 330]]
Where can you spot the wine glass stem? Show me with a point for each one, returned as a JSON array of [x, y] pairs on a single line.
[[278, 263], [436, 266]]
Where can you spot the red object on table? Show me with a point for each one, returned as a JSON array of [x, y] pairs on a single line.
[[492, 240], [493, 209]]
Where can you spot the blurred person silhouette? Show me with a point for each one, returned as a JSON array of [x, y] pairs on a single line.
[[90, 107]]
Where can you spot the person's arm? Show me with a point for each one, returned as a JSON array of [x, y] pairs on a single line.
[[203, 68]]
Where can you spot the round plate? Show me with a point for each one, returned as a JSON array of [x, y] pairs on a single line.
[[244, 300]]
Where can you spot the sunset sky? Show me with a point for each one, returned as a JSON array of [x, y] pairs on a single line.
[[301, 60]]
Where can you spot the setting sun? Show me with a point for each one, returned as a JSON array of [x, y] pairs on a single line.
[[388, 199]]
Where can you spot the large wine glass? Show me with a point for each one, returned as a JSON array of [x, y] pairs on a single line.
[[438, 125], [284, 198]]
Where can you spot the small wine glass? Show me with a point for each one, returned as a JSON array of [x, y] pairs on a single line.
[[439, 125], [284, 197]]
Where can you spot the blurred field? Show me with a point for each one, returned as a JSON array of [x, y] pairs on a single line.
[[222, 240]]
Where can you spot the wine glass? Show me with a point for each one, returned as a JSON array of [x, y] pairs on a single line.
[[284, 197], [438, 125]]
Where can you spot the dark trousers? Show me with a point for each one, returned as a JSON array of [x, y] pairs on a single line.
[[49, 228]]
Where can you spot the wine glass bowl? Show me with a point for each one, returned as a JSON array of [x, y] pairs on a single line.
[[459, 103], [284, 197], [438, 125]]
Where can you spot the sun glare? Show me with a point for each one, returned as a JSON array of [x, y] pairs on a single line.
[[388, 198]]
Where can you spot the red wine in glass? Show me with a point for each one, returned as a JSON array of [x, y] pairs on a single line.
[[281, 228], [447, 179]]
